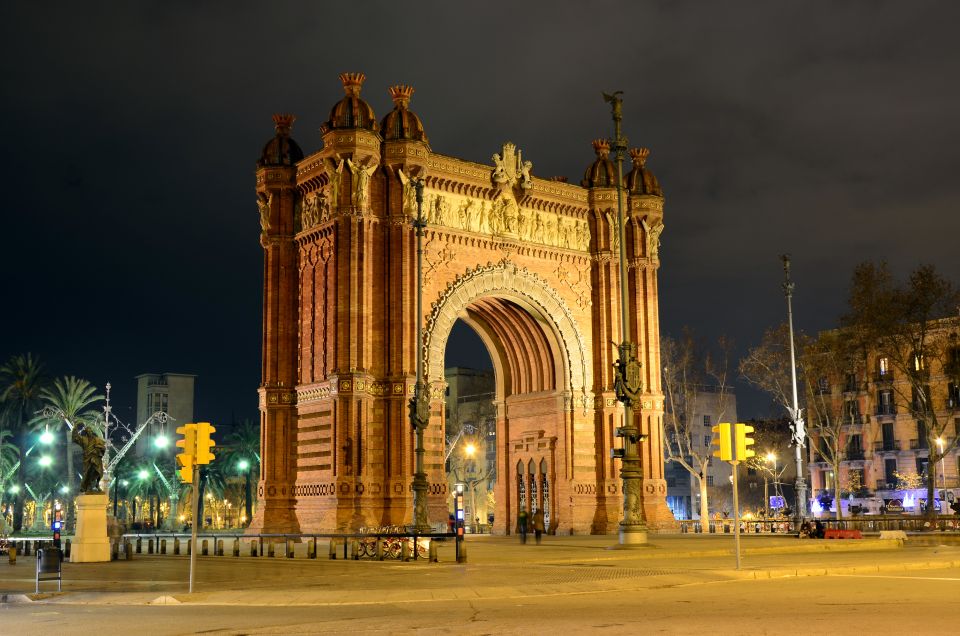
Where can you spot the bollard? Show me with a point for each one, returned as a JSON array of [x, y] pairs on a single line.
[[433, 552], [68, 546], [114, 550], [253, 548], [218, 550], [176, 546], [270, 549], [139, 544], [462, 557], [379, 549], [289, 548], [405, 550], [189, 546], [354, 549], [312, 548], [12, 555], [236, 547], [204, 548], [128, 550], [149, 546], [333, 549], [163, 546]]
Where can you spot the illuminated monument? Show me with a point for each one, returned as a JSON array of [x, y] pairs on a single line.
[[529, 263]]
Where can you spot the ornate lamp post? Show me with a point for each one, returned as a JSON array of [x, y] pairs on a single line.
[[627, 382], [420, 403], [796, 415]]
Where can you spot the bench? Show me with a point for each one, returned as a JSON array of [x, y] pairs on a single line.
[[834, 533]]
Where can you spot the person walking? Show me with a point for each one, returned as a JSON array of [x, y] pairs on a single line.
[[538, 525], [522, 522]]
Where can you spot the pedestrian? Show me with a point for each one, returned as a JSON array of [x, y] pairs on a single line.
[[522, 523], [818, 530], [538, 525]]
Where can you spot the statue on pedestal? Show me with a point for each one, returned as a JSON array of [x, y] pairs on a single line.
[[93, 448]]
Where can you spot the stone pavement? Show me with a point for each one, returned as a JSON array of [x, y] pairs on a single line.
[[497, 567]]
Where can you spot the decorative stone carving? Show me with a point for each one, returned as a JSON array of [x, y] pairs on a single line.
[[652, 233], [361, 182], [264, 204]]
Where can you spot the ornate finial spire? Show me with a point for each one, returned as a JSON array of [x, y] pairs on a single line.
[[283, 123], [352, 82], [601, 147], [639, 156], [401, 95]]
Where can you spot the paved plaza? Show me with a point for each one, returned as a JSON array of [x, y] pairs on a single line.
[[576, 583]]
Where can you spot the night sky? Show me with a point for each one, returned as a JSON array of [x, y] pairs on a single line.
[[131, 131]]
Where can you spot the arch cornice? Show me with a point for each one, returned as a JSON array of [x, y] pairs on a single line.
[[506, 280]]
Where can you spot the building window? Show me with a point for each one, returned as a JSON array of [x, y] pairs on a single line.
[[751, 471], [706, 420], [710, 480], [883, 367], [706, 440]]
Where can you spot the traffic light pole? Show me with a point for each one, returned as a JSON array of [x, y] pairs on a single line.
[[736, 512], [193, 530]]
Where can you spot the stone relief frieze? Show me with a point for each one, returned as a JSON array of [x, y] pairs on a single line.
[[360, 196], [652, 233]]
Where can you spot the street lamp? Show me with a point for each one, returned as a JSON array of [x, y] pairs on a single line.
[[771, 459], [627, 384], [45, 461], [161, 441], [243, 465], [420, 403], [143, 474], [46, 437], [796, 415]]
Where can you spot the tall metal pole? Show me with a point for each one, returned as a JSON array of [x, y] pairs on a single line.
[[108, 472], [419, 405], [797, 427], [627, 385]]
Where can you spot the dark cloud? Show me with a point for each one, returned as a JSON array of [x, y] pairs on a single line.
[[130, 131]]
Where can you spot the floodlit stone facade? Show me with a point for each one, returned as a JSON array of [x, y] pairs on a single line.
[[529, 263]]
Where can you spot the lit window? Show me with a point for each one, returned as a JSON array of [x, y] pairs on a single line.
[[883, 365]]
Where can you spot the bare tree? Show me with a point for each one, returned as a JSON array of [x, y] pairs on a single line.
[[690, 371], [914, 328]]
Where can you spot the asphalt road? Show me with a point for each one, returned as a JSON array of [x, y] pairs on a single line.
[[922, 602]]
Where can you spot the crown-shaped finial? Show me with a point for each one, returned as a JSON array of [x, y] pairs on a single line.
[[283, 123], [352, 82], [639, 155], [401, 95], [601, 147]]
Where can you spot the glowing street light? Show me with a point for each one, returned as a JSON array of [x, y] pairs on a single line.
[[64, 490], [161, 441], [46, 461], [470, 450], [143, 474], [14, 489], [243, 465], [46, 437]]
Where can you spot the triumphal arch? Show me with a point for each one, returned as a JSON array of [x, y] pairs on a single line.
[[530, 263]]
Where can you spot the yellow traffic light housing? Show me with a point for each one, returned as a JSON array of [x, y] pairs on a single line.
[[205, 442], [722, 442], [187, 456], [743, 441]]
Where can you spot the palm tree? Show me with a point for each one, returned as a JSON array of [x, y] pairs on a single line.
[[21, 380], [243, 455], [9, 454]]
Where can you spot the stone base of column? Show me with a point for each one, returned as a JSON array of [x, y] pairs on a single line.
[[659, 518], [90, 543], [274, 515]]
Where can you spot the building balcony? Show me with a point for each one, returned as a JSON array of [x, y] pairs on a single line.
[[886, 446], [886, 410], [918, 445], [852, 387], [854, 455], [881, 378]]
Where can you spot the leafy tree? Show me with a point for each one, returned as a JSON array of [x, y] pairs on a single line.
[[21, 381], [909, 324], [691, 375]]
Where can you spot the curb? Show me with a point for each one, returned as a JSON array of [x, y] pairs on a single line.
[[836, 571]]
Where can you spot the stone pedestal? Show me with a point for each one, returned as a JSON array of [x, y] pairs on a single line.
[[90, 543]]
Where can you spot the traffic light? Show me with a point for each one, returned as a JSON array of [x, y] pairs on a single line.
[[205, 442], [187, 456], [721, 439], [743, 441]]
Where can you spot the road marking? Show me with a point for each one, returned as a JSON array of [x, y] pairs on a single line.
[[912, 578]]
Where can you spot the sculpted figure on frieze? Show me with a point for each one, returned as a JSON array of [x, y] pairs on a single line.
[[653, 237], [361, 182]]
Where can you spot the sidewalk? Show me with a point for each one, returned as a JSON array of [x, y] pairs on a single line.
[[497, 567]]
